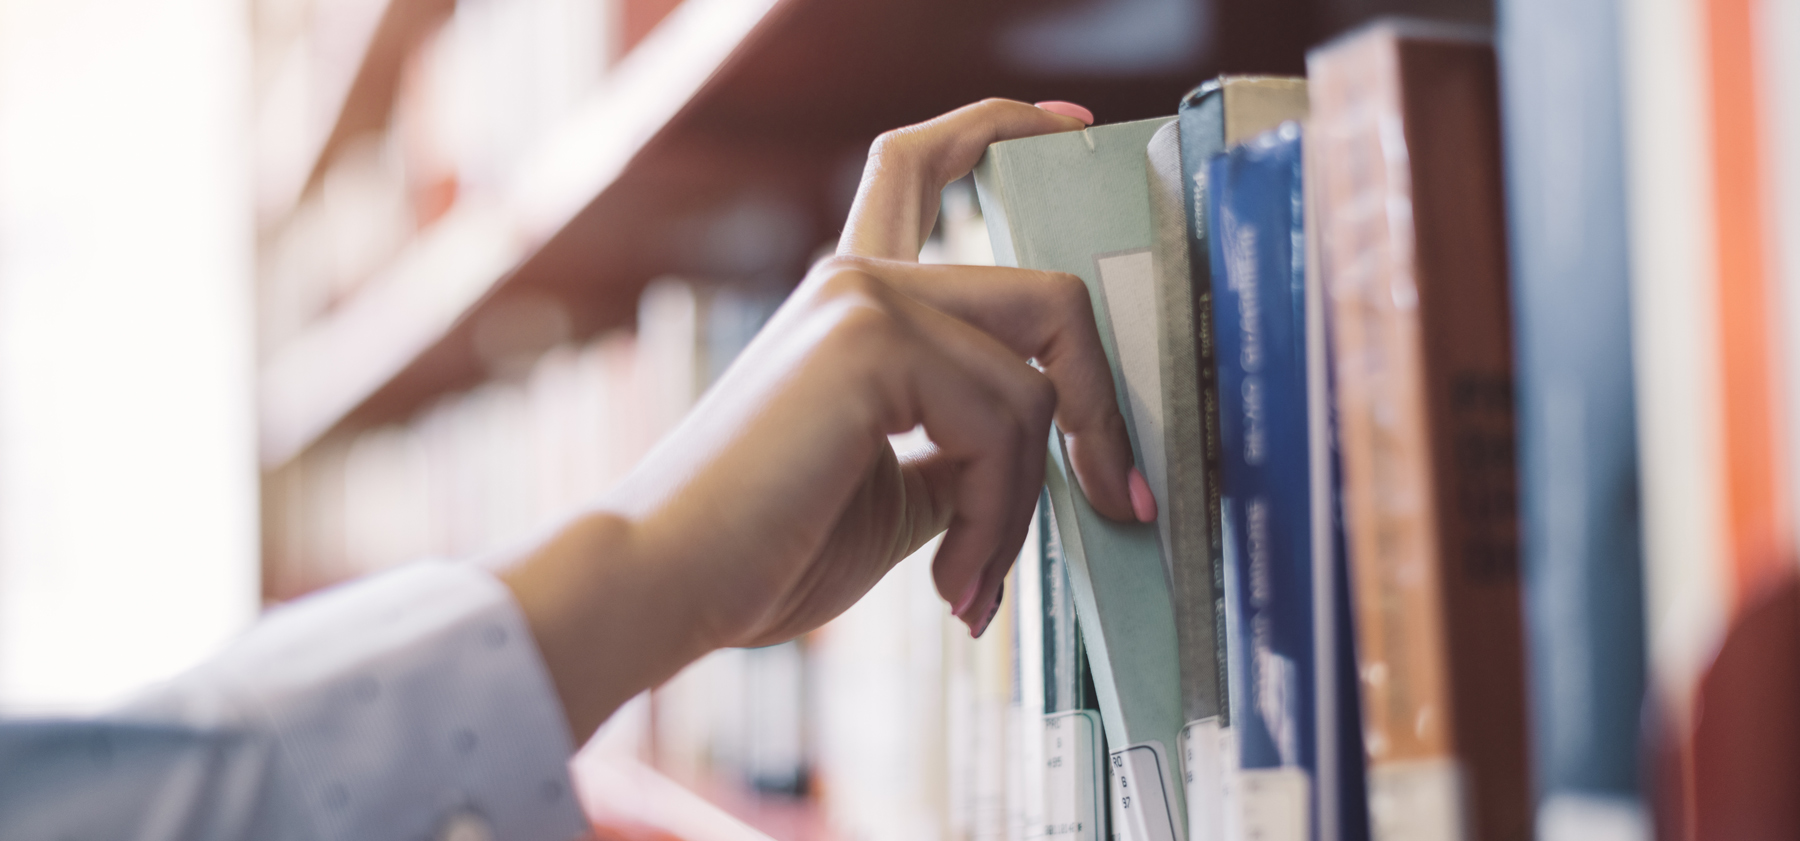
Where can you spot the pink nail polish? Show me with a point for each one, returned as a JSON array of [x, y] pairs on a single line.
[[1142, 503], [1067, 109], [992, 611]]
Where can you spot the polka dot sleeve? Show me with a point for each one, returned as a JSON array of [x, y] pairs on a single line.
[[402, 706]]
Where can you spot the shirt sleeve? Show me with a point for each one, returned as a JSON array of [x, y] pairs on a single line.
[[394, 707]]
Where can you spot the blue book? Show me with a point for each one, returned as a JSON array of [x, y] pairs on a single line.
[[1256, 207], [1577, 436]]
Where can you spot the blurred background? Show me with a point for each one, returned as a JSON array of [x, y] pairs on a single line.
[[295, 290]]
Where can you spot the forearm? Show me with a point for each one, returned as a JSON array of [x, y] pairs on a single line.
[[609, 618]]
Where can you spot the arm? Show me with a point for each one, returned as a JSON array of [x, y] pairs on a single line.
[[778, 503], [398, 705]]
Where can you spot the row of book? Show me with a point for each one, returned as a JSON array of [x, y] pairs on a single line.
[[1390, 363], [1464, 409], [474, 99], [482, 469]]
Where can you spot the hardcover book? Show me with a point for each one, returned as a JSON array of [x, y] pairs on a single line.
[[1218, 114], [1578, 465], [1256, 209], [1412, 253], [1076, 202]]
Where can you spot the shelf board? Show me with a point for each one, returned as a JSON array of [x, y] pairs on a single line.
[[367, 98], [725, 146]]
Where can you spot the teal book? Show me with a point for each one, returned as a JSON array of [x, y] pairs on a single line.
[[1576, 405], [1077, 202]]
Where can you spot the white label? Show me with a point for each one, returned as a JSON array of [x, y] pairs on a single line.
[[1419, 800], [1275, 803], [1072, 777], [1228, 785], [1568, 816], [1141, 783], [1202, 772]]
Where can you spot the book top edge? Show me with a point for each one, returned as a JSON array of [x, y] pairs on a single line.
[[1400, 28], [1220, 83]]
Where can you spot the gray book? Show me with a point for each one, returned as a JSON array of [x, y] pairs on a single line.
[[1077, 203], [1216, 116]]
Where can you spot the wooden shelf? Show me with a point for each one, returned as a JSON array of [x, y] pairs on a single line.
[[725, 145]]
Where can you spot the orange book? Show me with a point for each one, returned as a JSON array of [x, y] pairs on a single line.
[[1412, 255]]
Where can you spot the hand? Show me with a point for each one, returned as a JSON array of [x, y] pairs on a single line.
[[777, 502]]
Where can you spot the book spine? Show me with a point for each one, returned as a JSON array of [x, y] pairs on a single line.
[[1258, 297], [1183, 498], [1578, 466], [1413, 264], [1343, 806], [1202, 119]]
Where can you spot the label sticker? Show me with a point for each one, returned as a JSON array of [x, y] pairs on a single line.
[[1073, 780], [1417, 800], [1202, 773], [1141, 798], [1276, 803]]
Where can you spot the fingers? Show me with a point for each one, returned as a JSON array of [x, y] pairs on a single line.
[[986, 411], [897, 201], [1049, 317]]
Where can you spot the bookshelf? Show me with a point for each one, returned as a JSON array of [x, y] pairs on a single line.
[[731, 114], [563, 315]]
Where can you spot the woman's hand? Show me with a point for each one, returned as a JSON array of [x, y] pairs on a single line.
[[777, 502]]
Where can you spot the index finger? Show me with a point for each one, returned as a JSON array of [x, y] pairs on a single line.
[[897, 200]]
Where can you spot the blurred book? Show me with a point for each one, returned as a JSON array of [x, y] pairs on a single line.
[[1709, 122], [1405, 117], [1218, 114], [1578, 443]]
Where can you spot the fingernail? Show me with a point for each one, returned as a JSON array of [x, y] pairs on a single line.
[[968, 598], [1142, 503], [991, 612], [1067, 109]]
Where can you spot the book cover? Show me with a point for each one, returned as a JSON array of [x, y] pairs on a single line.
[[1076, 202], [1413, 265], [1342, 802], [1714, 444], [1256, 209], [1222, 112], [1577, 460]]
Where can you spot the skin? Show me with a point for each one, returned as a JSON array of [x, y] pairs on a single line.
[[777, 503]]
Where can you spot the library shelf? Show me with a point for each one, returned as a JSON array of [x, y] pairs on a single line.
[[725, 145], [364, 98]]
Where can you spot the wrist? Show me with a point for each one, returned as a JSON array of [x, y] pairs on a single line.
[[609, 616]]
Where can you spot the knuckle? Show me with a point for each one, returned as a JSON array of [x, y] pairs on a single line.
[[1069, 293], [848, 277], [865, 327], [894, 145], [992, 104]]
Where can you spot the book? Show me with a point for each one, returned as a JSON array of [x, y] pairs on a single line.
[[1577, 458], [1701, 83], [1222, 112], [1076, 202], [1071, 747], [1412, 254], [1342, 803], [1255, 209]]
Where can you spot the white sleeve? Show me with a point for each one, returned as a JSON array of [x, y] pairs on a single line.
[[393, 707]]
